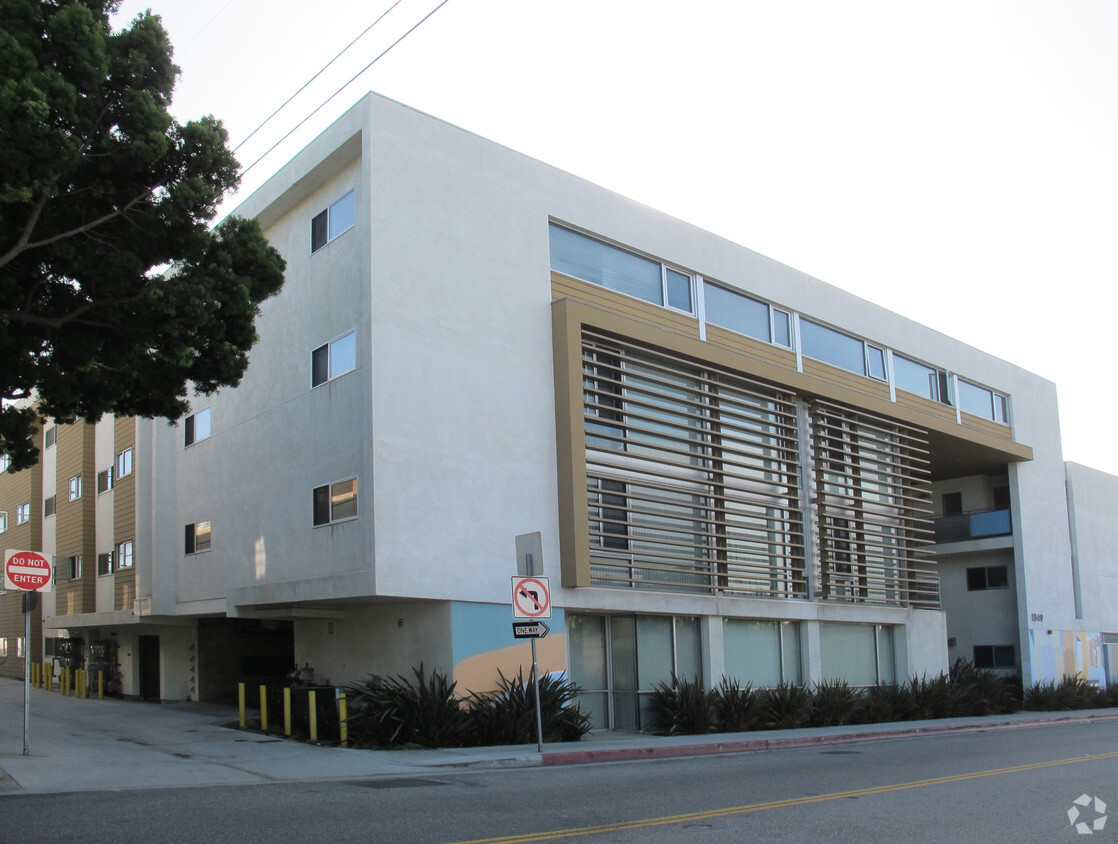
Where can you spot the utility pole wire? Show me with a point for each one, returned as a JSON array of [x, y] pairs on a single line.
[[320, 72], [346, 85]]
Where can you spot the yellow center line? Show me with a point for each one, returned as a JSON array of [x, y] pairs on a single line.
[[599, 829]]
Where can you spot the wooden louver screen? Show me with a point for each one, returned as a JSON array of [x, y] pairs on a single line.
[[692, 476], [873, 508]]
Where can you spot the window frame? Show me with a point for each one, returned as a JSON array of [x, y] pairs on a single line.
[[108, 567], [123, 555], [23, 513], [330, 374], [75, 487], [5, 462], [997, 654], [330, 505], [105, 480], [50, 506], [3, 521], [191, 427], [124, 460], [191, 534], [981, 583], [50, 437], [74, 567], [327, 217]]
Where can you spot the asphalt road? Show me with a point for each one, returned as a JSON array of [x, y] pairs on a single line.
[[1005, 785]]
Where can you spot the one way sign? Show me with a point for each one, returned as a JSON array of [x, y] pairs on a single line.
[[529, 629]]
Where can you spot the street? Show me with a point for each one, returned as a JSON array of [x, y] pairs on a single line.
[[1004, 785]]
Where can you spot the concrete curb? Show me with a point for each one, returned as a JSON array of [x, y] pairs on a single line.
[[622, 754]]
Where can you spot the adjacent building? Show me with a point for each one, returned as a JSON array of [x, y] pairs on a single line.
[[736, 469]]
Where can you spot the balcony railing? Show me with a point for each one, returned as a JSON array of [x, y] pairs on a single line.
[[977, 524]]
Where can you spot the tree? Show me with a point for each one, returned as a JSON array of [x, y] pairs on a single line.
[[100, 191]]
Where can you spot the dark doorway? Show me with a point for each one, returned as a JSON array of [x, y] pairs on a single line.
[[149, 668]]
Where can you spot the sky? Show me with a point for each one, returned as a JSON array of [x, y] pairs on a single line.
[[955, 162]]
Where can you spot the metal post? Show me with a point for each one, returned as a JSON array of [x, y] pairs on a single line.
[[26, 681], [343, 726], [287, 710], [312, 705], [241, 703], [539, 717], [264, 708]]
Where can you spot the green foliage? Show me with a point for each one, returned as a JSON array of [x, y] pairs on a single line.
[[978, 691], [835, 702], [394, 711], [683, 707], [884, 703], [736, 709], [100, 188], [508, 714], [1072, 692], [785, 706]]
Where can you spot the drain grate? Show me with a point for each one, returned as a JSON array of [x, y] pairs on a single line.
[[399, 782], [840, 752]]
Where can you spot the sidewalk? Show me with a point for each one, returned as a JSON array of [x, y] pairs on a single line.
[[91, 745]]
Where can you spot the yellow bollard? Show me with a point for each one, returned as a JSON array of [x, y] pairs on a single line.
[[82, 690], [241, 702], [100, 685], [343, 727], [66, 681], [264, 708], [34, 675], [312, 706], [287, 711]]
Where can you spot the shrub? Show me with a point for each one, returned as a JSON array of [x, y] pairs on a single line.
[[684, 707], [508, 714], [932, 698], [785, 706], [1072, 692], [835, 702], [736, 709], [393, 711], [884, 703], [978, 691]]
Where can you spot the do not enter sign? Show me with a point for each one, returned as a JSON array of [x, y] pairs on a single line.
[[27, 571]]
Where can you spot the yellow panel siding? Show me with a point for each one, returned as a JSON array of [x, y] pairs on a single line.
[[124, 514], [565, 287], [987, 426], [756, 349], [925, 405], [75, 528], [849, 380]]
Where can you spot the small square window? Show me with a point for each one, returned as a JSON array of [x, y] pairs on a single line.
[[198, 426], [104, 564], [50, 506], [74, 567], [104, 481], [75, 487], [23, 513], [198, 537], [123, 464], [333, 222], [335, 358], [50, 437], [3, 521], [123, 555], [335, 502]]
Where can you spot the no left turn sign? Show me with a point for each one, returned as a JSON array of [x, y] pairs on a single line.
[[531, 597]]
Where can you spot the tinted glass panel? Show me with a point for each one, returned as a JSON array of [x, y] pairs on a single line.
[[322, 505], [593, 261], [318, 232], [343, 503], [679, 290], [997, 577], [782, 329], [832, 347], [913, 377], [202, 424], [976, 579], [736, 312], [876, 359], [975, 400], [341, 215], [202, 536], [320, 365], [343, 354]]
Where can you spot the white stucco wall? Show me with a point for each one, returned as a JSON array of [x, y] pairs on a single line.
[[1093, 497]]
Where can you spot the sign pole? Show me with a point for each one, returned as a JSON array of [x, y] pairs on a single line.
[[27, 672], [539, 717]]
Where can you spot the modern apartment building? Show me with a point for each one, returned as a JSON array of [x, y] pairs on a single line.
[[736, 469]]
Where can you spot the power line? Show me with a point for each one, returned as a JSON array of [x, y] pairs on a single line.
[[346, 85], [320, 72]]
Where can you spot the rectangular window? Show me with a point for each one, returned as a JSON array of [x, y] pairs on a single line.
[[607, 266], [335, 502], [124, 552], [919, 379], [104, 564], [104, 481], [833, 347], [335, 358], [333, 222], [875, 362], [978, 401], [74, 567], [123, 464], [197, 537], [982, 578], [50, 437], [737, 312], [3, 521], [677, 290], [782, 328], [23, 513], [75, 487], [50, 506], [994, 656], [952, 503], [197, 426], [5, 462]]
